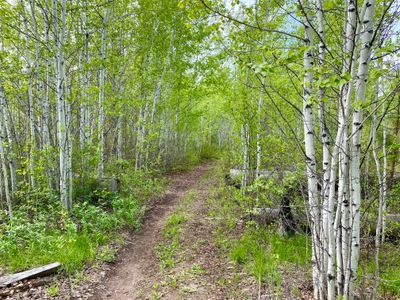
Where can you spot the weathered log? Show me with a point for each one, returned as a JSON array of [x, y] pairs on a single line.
[[238, 173], [291, 222], [30, 274]]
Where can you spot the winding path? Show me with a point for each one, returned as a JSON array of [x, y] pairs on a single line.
[[137, 262]]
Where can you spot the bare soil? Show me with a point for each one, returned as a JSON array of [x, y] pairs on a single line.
[[138, 263]]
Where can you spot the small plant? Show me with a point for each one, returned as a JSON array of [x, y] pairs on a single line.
[[53, 290], [222, 281], [155, 295], [197, 269], [296, 292], [79, 277], [173, 281], [188, 289], [168, 250], [107, 254]]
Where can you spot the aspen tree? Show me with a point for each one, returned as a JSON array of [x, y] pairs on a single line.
[[4, 173], [309, 141], [379, 229], [9, 137], [59, 73], [46, 143], [120, 118], [258, 137], [30, 66], [342, 225], [102, 90], [360, 89]]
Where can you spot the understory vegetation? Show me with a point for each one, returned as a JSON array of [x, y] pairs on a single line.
[[41, 231], [279, 261]]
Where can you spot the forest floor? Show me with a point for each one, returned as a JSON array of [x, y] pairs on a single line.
[[174, 255], [138, 272], [136, 269]]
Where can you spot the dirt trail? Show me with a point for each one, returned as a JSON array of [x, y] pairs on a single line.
[[138, 260]]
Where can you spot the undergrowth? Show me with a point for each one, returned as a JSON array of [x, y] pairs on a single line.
[[42, 231], [389, 271], [269, 256], [261, 251]]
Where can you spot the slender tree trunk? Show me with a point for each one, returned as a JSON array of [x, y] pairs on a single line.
[[4, 111], [384, 173], [395, 154], [342, 222], [378, 232], [309, 142], [46, 144], [258, 137], [120, 119], [1, 190], [4, 160], [324, 281], [59, 72], [69, 174], [32, 137], [362, 77], [102, 91], [245, 136]]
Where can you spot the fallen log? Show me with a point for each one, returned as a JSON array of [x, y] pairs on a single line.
[[30, 274]]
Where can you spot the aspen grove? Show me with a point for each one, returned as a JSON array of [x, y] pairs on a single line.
[[297, 102]]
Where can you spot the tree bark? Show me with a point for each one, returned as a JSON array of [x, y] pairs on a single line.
[[102, 91], [361, 83], [309, 142]]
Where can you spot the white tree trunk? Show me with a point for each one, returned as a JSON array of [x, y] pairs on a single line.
[[59, 73], [88, 124], [30, 73], [4, 159], [102, 91], [323, 278], [381, 174], [260, 119], [4, 111], [309, 142], [46, 98], [384, 172], [245, 141], [378, 232], [361, 83], [68, 163], [120, 128]]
